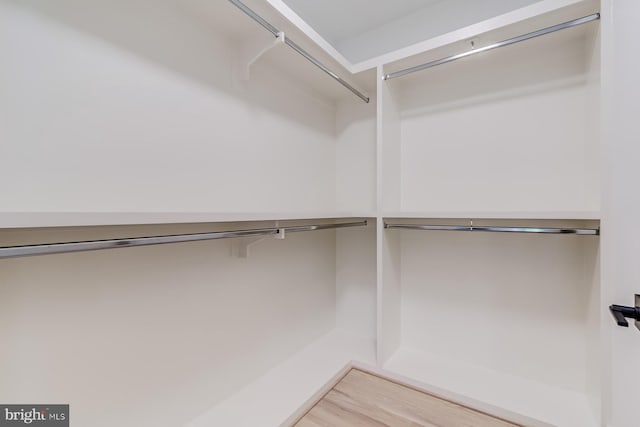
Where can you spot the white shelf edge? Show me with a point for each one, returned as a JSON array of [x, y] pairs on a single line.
[[278, 397], [465, 33], [577, 215], [74, 219], [500, 394], [509, 18]]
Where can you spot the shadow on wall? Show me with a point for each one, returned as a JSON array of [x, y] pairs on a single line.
[[185, 37], [510, 72], [155, 336]]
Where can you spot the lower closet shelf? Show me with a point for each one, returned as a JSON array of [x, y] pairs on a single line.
[[521, 399], [284, 393]]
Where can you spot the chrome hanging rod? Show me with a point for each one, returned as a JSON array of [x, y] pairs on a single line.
[[273, 30], [497, 229], [503, 43], [94, 245]]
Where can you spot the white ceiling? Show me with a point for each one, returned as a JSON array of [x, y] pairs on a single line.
[[363, 29]]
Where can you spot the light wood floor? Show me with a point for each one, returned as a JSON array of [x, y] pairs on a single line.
[[361, 399]]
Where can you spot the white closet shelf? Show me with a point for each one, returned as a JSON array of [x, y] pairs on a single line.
[[279, 396], [523, 19], [73, 219], [578, 215], [495, 392]]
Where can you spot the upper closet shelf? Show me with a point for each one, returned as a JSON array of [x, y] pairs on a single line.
[[78, 219], [578, 215], [387, 35]]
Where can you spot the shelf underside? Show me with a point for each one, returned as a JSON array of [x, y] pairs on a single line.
[[73, 219]]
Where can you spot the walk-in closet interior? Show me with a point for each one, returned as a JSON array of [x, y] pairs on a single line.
[[210, 210]]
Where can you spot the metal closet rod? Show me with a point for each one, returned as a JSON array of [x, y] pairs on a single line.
[[497, 229], [273, 30], [94, 245], [503, 43]]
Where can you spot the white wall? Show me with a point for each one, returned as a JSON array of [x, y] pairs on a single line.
[[132, 107], [356, 280], [154, 336], [507, 131], [356, 156], [526, 305]]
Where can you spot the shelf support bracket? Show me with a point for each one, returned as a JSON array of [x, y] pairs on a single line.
[[252, 50], [240, 247]]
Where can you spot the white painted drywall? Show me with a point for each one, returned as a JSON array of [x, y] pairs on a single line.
[[516, 304], [155, 336], [508, 131], [356, 281], [355, 156], [99, 113]]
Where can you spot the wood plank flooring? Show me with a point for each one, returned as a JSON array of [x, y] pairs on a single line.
[[362, 399]]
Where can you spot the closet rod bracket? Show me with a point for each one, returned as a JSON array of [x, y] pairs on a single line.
[[240, 248], [253, 49], [274, 31]]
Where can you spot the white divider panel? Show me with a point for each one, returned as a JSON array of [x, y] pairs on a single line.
[[356, 155], [389, 293], [356, 280], [389, 147]]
